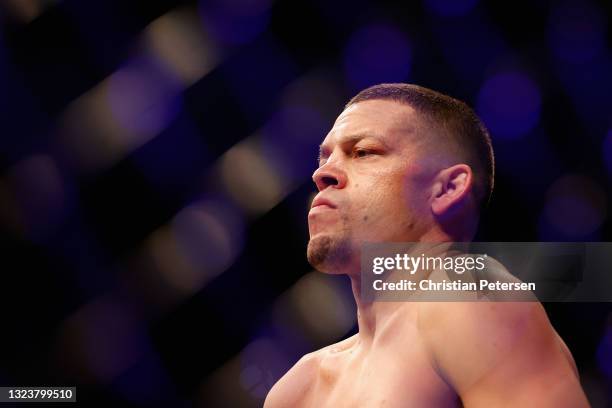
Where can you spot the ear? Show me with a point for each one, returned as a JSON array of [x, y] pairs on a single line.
[[451, 186]]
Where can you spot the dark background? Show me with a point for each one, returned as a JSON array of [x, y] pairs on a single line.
[[156, 158]]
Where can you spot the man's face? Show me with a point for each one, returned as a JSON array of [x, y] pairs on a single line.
[[373, 184]]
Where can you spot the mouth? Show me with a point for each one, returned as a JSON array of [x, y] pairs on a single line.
[[320, 205], [322, 202], [319, 209]]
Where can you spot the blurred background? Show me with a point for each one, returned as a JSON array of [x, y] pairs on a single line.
[[156, 161]]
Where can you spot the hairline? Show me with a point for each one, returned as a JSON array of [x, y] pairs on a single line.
[[427, 123]]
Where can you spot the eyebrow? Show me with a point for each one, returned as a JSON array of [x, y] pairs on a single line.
[[352, 139]]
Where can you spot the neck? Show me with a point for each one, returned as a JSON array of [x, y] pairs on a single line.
[[372, 316]]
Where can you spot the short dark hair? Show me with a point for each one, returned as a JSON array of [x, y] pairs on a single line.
[[450, 117]]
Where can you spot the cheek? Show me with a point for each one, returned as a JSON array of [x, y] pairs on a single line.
[[383, 198], [415, 189]]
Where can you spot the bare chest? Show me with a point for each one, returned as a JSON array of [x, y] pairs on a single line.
[[377, 377]]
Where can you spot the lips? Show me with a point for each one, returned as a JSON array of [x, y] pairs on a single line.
[[320, 201]]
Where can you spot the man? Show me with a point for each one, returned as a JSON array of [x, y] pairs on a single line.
[[404, 163]]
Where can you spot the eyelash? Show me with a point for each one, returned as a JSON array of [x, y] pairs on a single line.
[[355, 153]]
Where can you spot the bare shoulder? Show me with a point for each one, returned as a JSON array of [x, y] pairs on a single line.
[[293, 386], [506, 350]]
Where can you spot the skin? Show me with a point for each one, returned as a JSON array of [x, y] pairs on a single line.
[[376, 171]]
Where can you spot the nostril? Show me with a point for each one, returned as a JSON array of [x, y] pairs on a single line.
[[329, 181]]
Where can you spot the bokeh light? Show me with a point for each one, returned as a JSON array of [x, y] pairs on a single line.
[[575, 208], [470, 54], [119, 115], [25, 11], [235, 22], [319, 306], [244, 380], [375, 54], [509, 104], [262, 361], [318, 91], [250, 179], [202, 241], [577, 31], [178, 41], [101, 340], [143, 97], [293, 133], [89, 137], [156, 166]]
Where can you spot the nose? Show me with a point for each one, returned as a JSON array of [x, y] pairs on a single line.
[[329, 174]]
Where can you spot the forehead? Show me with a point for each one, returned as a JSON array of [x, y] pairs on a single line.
[[388, 120]]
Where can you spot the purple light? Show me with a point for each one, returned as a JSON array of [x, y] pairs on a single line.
[[577, 32], [572, 215], [450, 8], [509, 104], [211, 235], [375, 54], [144, 98], [262, 362], [291, 139], [607, 152], [575, 209], [235, 22], [103, 339]]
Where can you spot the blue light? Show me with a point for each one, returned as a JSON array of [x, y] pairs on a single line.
[[575, 209], [235, 22], [296, 131], [573, 216], [509, 104], [577, 32], [262, 363], [375, 54], [143, 97]]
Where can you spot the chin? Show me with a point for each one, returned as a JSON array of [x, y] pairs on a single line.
[[329, 255]]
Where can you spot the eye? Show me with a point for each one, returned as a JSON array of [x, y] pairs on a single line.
[[358, 153]]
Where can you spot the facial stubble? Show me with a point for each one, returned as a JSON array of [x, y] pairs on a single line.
[[331, 253]]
